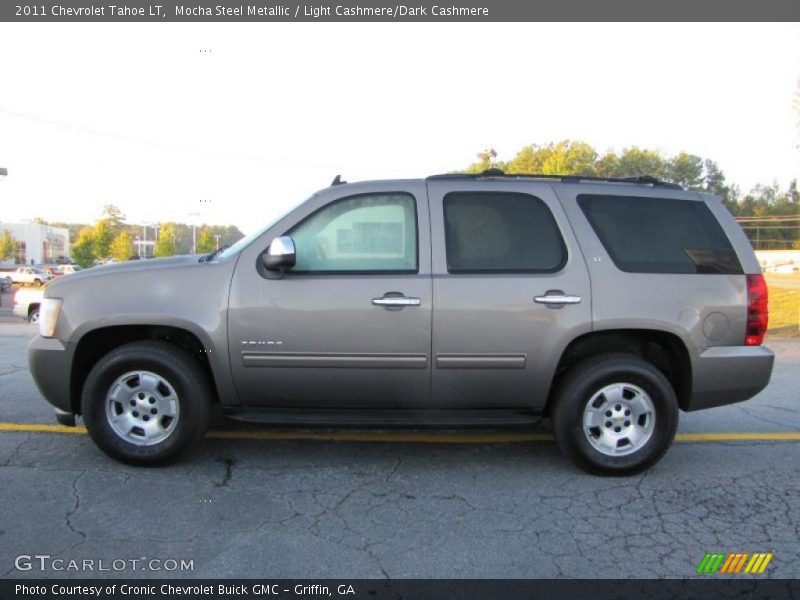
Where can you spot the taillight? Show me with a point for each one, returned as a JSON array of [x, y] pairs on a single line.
[[757, 310]]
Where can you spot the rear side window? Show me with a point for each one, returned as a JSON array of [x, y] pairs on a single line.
[[660, 235], [501, 232]]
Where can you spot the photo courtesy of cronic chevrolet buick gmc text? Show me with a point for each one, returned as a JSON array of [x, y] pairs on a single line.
[[491, 299]]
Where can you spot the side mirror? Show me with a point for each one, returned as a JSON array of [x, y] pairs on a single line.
[[280, 255]]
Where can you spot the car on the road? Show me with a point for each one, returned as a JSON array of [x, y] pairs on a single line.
[[5, 282], [26, 302], [608, 305]]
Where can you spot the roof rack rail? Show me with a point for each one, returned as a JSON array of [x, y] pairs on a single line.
[[495, 172]]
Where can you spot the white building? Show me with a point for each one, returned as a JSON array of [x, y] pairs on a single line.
[[38, 244]]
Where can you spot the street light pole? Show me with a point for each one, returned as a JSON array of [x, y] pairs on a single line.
[[217, 236], [194, 232]]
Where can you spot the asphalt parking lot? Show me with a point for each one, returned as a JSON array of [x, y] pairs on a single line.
[[429, 504]]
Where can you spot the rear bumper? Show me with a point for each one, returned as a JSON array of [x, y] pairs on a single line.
[[50, 363], [728, 374]]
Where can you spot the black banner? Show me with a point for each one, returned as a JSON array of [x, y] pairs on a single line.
[[419, 11], [413, 589]]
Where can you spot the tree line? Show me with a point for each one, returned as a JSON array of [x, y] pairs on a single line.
[[766, 212], [112, 238]]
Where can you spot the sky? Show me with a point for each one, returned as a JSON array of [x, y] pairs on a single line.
[[240, 122]]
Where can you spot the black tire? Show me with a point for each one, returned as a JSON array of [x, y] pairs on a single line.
[[190, 384], [588, 378], [34, 316], [37, 283]]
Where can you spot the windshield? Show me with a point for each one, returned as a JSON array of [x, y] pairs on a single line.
[[248, 239]]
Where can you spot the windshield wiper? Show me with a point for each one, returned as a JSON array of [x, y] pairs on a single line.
[[209, 257]]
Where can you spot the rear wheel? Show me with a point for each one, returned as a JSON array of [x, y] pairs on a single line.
[[33, 317], [37, 283], [146, 403], [615, 414]]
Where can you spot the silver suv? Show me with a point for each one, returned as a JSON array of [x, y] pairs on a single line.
[[606, 305]]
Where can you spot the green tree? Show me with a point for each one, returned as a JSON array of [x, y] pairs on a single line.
[[687, 170], [83, 248], [206, 242], [714, 180], [114, 217], [8, 245], [121, 248], [165, 246], [102, 238], [636, 161], [608, 165], [486, 160], [564, 158]]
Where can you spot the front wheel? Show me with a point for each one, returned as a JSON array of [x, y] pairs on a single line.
[[34, 316], [615, 414], [37, 283], [146, 403]]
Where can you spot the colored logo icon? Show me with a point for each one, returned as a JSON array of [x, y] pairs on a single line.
[[734, 563]]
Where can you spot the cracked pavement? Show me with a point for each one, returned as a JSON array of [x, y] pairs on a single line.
[[305, 509]]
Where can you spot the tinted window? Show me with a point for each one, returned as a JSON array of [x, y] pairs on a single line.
[[500, 231], [371, 232], [660, 235]]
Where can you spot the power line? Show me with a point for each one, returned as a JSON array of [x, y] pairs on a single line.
[[183, 148]]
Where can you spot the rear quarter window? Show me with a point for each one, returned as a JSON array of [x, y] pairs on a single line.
[[660, 235]]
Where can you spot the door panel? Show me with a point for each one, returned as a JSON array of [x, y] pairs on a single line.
[[324, 337], [494, 346]]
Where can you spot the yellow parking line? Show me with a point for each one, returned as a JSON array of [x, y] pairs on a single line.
[[782, 436], [39, 428], [427, 437]]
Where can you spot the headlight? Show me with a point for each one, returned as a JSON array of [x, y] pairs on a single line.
[[48, 316]]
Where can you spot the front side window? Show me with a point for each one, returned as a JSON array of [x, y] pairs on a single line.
[[362, 234], [501, 232]]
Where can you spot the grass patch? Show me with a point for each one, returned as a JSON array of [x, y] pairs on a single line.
[[784, 309]]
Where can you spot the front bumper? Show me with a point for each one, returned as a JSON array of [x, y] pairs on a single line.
[[50, 363], [727, 374]]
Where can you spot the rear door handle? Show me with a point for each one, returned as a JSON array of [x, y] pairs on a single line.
[[396, 301], [557, 299]]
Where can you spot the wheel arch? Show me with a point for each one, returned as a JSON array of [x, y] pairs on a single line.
[[95, 343], [665, 350]]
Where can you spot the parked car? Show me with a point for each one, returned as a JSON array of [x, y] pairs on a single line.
[[53, 272], [29, 276], [56, 271], [27, 302], [69, 269], [606, 305]]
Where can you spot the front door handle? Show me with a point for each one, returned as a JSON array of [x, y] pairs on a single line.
[[557, 299], [396, 301]]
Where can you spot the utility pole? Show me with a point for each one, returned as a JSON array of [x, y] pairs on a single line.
[[217, 236]]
